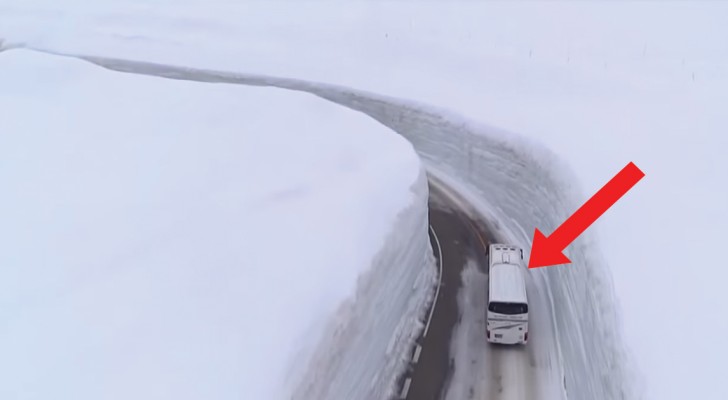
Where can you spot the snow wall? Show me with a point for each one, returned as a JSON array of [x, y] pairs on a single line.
[[517, 186], [514, 184], [365, 348]]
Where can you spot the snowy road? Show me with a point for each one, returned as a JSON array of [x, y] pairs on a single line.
[[456, 241], [496, 372], [452, 239], [456, 335]]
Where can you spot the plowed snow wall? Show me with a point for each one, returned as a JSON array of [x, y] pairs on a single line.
[[523, 186], [518, 186], [367, 344]]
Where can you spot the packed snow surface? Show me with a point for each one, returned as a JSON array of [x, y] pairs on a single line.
[[177, 240]]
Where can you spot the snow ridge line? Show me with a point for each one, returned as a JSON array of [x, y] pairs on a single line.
[[7, 45]]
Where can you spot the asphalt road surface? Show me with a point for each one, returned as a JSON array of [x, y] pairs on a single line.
[[455, 238]]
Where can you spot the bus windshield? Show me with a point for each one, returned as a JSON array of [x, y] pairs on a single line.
[[508, 308]]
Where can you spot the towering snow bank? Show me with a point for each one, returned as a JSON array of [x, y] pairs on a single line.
[[518, 186], [352, 361], [175, 240]]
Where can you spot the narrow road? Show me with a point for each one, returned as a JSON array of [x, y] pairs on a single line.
[[455, 238]]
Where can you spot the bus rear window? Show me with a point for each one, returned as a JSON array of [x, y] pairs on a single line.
[[508, 308]]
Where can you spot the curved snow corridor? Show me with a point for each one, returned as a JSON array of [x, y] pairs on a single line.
[[509, 183], [514, 185], [598, 84]]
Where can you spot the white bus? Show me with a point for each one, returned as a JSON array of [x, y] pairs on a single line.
[[507, 314]]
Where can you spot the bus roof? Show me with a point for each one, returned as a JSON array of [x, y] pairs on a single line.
[[507, 284], [504, 253]]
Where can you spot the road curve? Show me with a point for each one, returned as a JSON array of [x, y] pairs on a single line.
[[503, 374], [455, 238], [490, 372]]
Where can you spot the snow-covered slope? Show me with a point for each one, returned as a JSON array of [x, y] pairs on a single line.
[[174, 240]]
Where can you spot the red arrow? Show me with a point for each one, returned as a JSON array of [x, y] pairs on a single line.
[[547, 251]]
